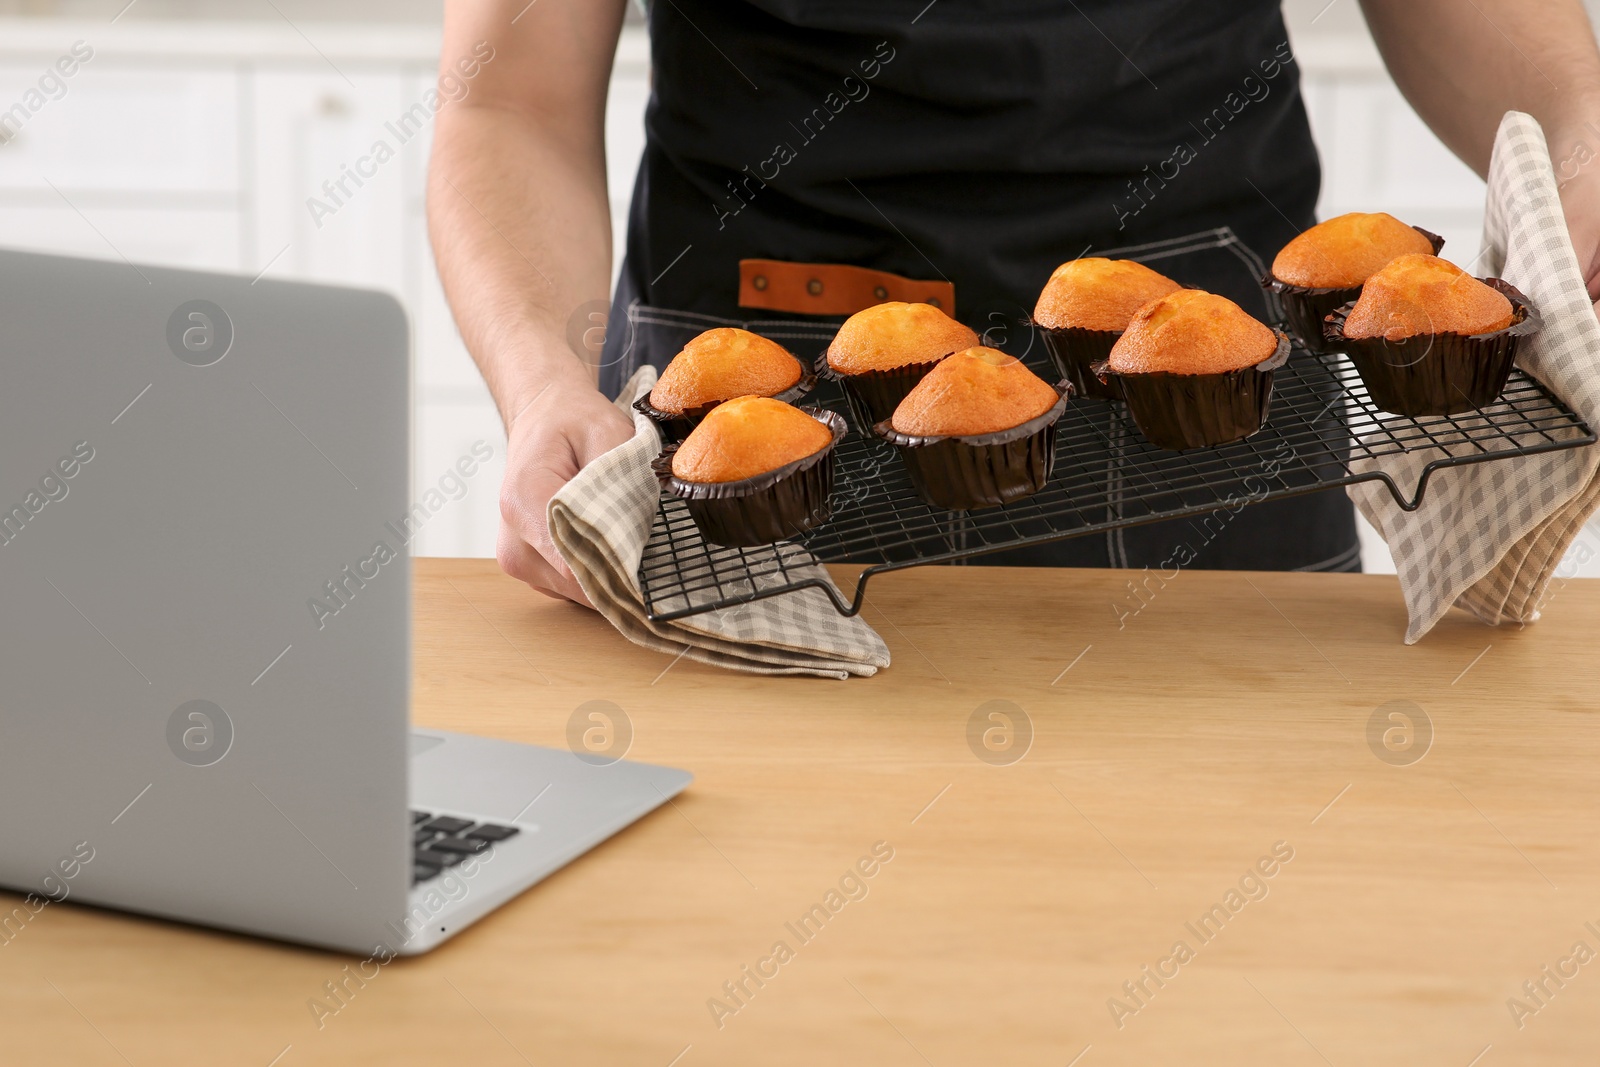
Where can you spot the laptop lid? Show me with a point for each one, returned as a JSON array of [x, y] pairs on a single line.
[[204, 597]]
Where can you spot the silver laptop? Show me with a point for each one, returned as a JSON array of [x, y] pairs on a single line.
[[205, 613]]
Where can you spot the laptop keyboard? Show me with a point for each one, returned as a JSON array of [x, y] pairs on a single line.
[[441, 841]]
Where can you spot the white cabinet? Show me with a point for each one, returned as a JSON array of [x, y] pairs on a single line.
[[445, 432], [330, 175], [122, 161], [448, 373], [121, 127]]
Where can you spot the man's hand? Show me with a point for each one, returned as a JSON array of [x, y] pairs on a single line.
[[561, 431]]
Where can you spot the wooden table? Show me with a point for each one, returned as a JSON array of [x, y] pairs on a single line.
[[1227, 720]]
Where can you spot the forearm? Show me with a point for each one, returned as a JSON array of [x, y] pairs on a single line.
[[521, 232], [1464, 63]]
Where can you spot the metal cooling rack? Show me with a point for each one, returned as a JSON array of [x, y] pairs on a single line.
[[1323, 431]]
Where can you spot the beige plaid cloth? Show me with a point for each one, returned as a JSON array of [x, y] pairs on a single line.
[[1488, 537], [601, 522]]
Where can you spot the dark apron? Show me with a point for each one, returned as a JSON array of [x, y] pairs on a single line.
[[981, 143]]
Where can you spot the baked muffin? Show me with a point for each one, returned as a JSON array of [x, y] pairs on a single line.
[[1429, 339], [1099, 294], [1424, 294], [980, 390], [977, 431], [1345, 251], [887, 336], [1196, 370], [755, 470], [1326, 265], [1084, 308], [1191, 332], [882, 351], [747, 436], [718, 365]]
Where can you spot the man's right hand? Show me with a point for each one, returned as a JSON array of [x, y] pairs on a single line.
[[562, 430]]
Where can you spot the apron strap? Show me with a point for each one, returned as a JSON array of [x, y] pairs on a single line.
[[832, 288]]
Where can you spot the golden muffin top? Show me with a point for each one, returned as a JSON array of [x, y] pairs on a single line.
[[1424, 294], [896, 334], [1098, 294], [1191, 332], [747, 436], [721, 364], [978, 390], [1345, 251]]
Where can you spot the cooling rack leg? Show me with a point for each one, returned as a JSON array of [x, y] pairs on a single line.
[[1396, 492]]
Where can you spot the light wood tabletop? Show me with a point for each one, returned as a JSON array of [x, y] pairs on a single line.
[[1245, 824]]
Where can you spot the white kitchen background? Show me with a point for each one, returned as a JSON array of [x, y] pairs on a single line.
[[198, 130]]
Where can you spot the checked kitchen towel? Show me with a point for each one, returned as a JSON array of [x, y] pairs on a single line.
[[600, 522], [1488, 537]]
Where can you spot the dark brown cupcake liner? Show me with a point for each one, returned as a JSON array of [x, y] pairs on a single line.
[[1178, 411], [1441, 373], [873, 395], [676, 426], [769, 507], [981, 470], [1074, 350], [1305, 308]]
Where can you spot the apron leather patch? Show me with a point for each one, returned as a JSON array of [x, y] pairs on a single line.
[[832, 288]]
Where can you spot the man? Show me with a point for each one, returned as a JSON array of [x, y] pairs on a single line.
[[972, 142]]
